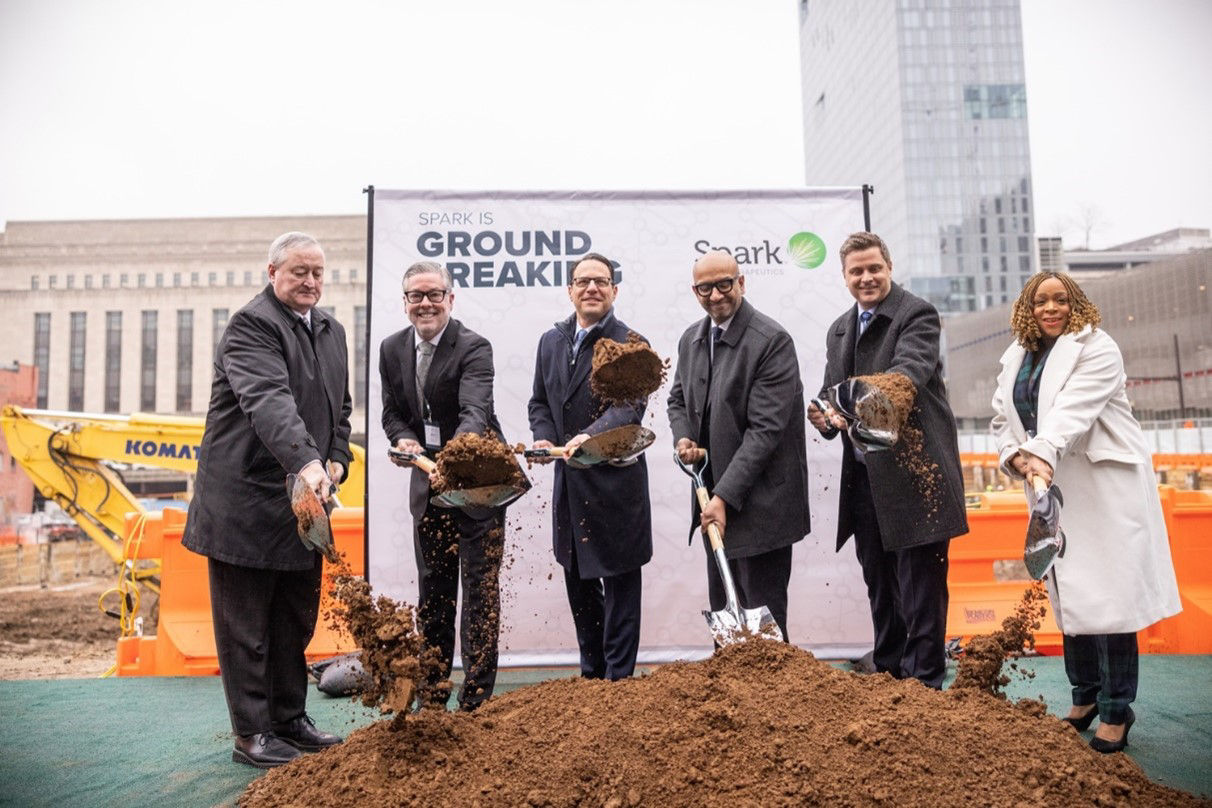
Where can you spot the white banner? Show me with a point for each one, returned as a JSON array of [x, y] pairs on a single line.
[[508, 252]]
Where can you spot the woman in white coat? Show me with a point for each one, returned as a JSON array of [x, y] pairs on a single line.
[[1061, 412]]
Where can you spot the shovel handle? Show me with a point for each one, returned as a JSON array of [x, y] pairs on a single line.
[[551, 451], [1037, 482], [420, 461], [713, 532]]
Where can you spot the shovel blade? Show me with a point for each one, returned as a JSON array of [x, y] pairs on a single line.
[[619, 444], [486, 496], [853, 397], [728, 628], [1045, 539]]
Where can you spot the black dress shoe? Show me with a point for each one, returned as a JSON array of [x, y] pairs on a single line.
[[1107, 747], [1082, 724], [263, 750], [302, 734]]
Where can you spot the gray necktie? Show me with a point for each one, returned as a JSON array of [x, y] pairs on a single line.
[[424, 357]]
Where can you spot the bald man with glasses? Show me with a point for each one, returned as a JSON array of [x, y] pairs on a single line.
[[737, 393]]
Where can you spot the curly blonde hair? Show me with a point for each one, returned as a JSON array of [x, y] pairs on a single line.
[[1082, 312]]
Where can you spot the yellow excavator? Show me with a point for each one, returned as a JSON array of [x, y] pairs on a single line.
[[75, 460]]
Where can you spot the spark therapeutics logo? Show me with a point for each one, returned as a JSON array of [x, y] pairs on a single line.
[[806, 250]]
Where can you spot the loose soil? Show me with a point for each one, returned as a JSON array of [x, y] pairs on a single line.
[[980, 668], [58, 632], [760, 723], [474, 461], [890, 411], [626, 372]]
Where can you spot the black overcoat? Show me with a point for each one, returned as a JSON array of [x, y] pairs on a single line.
[[758, 453], [603, 511], [276, 404], [912, 508]]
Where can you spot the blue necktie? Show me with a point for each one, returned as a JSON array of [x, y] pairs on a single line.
[[576, 342], [865, 320]]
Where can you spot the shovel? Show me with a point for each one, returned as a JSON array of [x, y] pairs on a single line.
[[484, 496], [619, 445], [1045, 539], [313, 527], [851, 397], [732, 624]]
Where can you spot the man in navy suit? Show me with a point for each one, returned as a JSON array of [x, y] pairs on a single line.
[[602, 522]]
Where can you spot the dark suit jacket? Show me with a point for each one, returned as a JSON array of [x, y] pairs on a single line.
[[275, 405], [903, 338], [608, 517], [757, 452], [458, 389]]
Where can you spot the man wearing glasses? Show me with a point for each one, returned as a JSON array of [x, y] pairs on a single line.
[[437, 383], [601, 519], [737, 393]]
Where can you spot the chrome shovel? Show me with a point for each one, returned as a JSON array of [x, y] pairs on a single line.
[[619, 445], [1045, 539], [732, 624], [852, 397], [484, 496]]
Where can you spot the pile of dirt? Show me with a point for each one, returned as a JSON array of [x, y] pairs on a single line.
[[980, 668], [890, 411], [626, 372], [473, 461], [759, 723]]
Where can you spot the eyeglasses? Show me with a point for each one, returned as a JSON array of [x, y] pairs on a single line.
[[433, 296], [601, 283], [723, 285]]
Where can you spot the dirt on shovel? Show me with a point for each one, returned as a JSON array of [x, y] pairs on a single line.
[[626, 372], [474, 461]]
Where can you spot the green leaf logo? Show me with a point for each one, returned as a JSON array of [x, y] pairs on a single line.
[[807, 250]]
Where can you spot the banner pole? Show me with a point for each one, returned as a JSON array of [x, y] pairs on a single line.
[[868, 190], [369, 190]]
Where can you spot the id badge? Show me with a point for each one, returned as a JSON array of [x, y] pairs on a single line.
[[433, 436]]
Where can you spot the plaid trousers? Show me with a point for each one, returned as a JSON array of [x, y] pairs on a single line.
[[1103, 669]]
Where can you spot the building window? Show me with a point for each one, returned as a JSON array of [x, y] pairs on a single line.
[[231, 278], [159, 280], [185, 360], [212, 278], [71, 281], [336, 276], [176, 279], [75, 364], [113, 360], [51, 281], [42, 320], [982, 101], [105, 281], [218, 323], [353, 276], [88, 281], [33, 282], [193, 278], [123, 280], [248, 278], [147, 368], [359, 391], [141, 280]]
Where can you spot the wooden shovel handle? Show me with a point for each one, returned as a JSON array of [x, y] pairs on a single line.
[[550, 451], [713, 532], [1037, 482], [424, 464]]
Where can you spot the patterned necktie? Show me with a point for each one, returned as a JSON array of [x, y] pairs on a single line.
[[424, 357], [865, 320], [576, 342]]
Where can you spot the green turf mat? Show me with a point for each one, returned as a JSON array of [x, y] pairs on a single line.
[[166, 741]]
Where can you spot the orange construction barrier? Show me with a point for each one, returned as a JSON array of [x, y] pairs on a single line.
[[986, 578], [184, 644]]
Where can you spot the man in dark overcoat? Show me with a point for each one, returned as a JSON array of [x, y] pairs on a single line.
[[602, 521], [437, 377], [902, 509], [279, 404], [737, 393]]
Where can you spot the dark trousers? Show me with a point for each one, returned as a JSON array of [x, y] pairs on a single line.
[[907, 590], [606, 613], [263, 621], [1104, 670], [450, 546], [761, 580]]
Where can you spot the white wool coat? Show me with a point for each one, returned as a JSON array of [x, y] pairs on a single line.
[[1116, 575]]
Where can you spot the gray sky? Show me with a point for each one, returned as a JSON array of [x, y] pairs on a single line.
[[145, 108]]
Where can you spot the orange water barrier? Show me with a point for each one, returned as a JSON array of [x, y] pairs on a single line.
[[184, 643], [998, 522]]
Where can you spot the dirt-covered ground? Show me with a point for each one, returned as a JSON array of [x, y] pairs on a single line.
[[56, 632]]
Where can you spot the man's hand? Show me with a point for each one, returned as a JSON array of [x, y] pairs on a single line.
[[714, 512], [1036, 467], [542, 444], [570, 448], [406, 445], [688, 451], [1019, 464], [336, 472], [315, 478], [825, 420]]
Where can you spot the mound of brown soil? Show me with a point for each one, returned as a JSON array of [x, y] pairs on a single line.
[[624, 372], [760, 723], [472, 461]]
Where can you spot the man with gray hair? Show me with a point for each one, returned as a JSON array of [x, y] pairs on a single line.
[[279, 404], [437, 379]]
